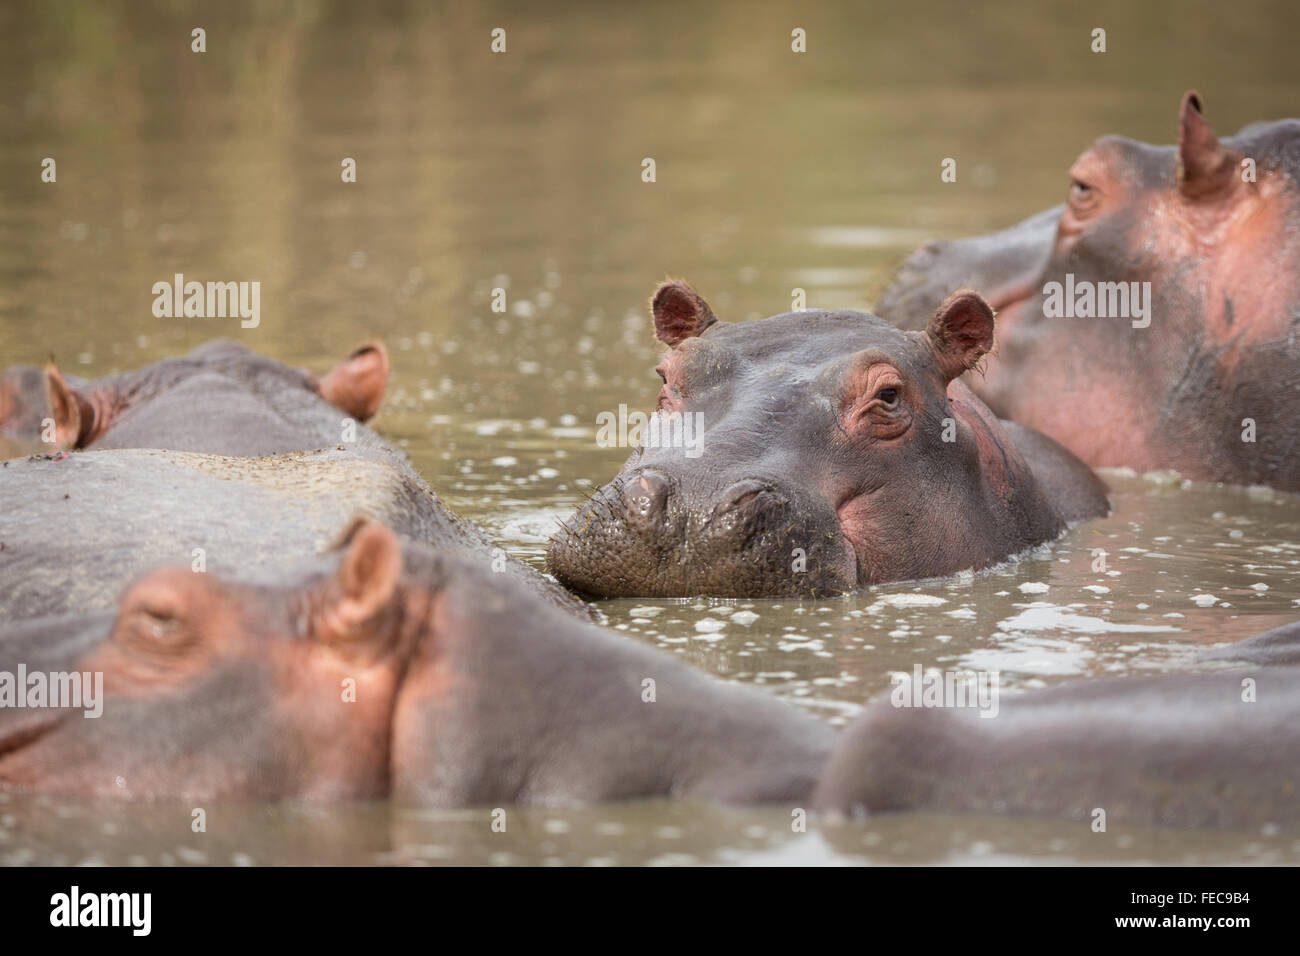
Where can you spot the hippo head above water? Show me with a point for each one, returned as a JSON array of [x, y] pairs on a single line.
[[222, 398], [1153, 320], [211, 688], [827, 451]]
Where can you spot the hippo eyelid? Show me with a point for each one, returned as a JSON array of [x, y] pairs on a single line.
[[159, 613], [149, 633]]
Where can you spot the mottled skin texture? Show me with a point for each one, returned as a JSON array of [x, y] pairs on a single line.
[[470, 691], [825, 433], [1223, 345], [222, 398], [1182, 751], [86, 524]]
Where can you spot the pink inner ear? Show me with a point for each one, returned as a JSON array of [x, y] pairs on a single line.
[[961, 332], [675, 315], [679, 313]]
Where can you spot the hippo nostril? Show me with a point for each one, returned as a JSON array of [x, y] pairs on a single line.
[[739, 495], [647, 493]]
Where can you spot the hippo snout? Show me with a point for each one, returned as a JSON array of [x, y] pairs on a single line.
[[653, 507], [649, 533]]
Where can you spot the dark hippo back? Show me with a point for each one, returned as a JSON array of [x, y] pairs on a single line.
[[1187, 750]]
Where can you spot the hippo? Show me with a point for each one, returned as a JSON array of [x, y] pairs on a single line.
[[830, 451], [389, 669], [160, 481], [1153, 320], [89, 522], [212, 690], [1186, 750], [385, 668], [222, 398], [1281, 645]]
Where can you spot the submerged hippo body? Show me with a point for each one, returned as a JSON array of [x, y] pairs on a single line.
[[1183, 751], [833, 452], [221, 399], [1199, 369], [467, 690], [389, 669]]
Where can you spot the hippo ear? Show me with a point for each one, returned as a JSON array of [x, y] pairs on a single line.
[[679, 313], [366, 579], [1205, 166], [357, 384], [73, 414], [960, 332]]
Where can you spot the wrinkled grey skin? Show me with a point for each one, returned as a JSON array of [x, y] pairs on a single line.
[[1179, 751], [472, 691], [788, 495], [79, 527]]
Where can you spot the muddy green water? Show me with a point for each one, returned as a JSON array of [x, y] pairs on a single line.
[[523, 171]]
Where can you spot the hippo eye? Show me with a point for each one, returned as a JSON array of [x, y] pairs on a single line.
[[888, 395], [1080, 191], [154, 631]]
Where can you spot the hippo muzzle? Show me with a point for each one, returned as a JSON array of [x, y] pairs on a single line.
[[651, 533]]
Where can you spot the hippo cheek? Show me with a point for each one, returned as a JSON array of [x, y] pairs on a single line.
[[34, 740], [887, 542], [336, 718], [164, 746], [860, 540], [29, 751], [441, 750]]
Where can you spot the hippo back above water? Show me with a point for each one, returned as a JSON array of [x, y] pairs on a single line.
[[827, 451], [1153, 321], [221, 398], [224, 460]]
